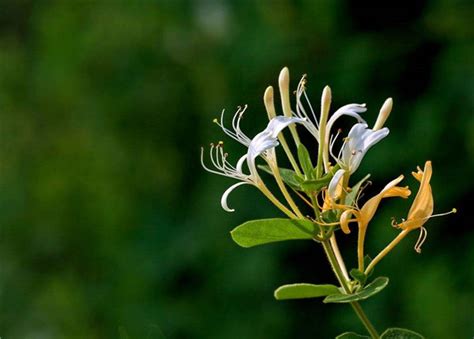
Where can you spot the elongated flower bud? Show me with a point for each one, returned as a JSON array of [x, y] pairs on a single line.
[[269, 102], [383, 114], [284, 84]]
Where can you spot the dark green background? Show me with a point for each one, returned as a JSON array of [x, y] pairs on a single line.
[[107, 220]]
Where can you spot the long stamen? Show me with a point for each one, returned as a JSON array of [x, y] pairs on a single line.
[[221, 166], [218, 170], [454, 210], [212, 156], [237, 134], [236, 125], [301, 91], [396, 224], [311, 109], [300, 111], [360, 194], [204, 165], [421, 239]]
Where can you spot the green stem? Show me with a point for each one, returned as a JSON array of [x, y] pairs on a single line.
[[363, 318], [340, 277], [286, 194], [338, 256], [387, 249]]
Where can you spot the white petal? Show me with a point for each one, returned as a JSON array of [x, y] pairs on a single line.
[[226, 194], [267, 139], [360, 139], [278, 123], [334, 183], [375, 136], [352, 110]]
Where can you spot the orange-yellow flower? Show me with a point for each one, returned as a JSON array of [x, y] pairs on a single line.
[[367, 212], [422, 208]]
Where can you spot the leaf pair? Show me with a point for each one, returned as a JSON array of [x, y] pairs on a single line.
[[332, 293], [391, 333]]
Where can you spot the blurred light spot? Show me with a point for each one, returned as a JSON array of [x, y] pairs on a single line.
[[212, 18]]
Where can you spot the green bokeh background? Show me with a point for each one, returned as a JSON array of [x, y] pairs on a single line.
[[108, 223]]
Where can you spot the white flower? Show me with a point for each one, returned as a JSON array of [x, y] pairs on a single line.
[[311, 123], [263, 144], [358, 142]]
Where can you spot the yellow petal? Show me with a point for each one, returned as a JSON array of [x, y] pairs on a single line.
[[390, 190], [345, 219], [397, 191], [423, 205]]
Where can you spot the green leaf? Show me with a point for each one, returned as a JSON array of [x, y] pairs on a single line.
[[351, 335], [288, 176], [305, 161], [330, 216], [359, 276], [313, 185], [263, 231], [368, 291], [302, 291], [352, 195], [400, 333]]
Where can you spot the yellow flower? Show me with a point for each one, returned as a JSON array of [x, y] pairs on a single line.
[[420, 211], [422, 208], [367, 212]]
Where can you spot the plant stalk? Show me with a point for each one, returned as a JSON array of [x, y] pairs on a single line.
[[387, 249], [340, 277]]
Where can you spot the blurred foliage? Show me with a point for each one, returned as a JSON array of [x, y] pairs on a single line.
[[108, 223]]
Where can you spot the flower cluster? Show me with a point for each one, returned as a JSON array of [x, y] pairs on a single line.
[[325, 186]]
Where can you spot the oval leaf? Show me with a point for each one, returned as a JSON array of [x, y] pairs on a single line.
[[263, 231], [351, 335], [303, 291], [371, 289], [400, 333], [288, 176]]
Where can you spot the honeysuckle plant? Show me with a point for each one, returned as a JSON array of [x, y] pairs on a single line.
[[320, 177]]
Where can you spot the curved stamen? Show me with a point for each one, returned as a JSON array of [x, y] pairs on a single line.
[[311, 126], [222, 166], [311, 108], [237, 134], [421, 239]]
